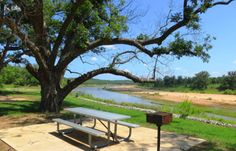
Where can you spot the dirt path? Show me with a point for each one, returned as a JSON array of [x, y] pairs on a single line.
[[28, 119], [196, 98], [11, 99]]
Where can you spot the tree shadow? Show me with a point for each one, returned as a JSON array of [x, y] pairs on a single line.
[[16, 92], [10, 107], [6, 92], [210, 146]]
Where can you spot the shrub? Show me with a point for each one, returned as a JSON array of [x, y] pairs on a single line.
[[166, 108], [200, 80], [185, 109], [18, 76], [169, 81], [228, 91], [229, 81]]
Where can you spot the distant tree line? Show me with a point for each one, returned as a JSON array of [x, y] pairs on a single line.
[[200, 81], [18, 76]]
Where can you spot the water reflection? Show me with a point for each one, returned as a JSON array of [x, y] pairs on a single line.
[[115, 96]]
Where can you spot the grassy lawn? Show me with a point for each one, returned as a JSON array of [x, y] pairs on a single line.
[[219, 138]]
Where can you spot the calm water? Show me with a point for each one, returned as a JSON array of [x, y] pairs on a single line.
[[115, 96]]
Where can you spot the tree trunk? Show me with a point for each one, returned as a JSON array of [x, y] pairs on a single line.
[[51, 95]]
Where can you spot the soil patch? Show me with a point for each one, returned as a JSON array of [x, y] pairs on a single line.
[[15, 121], [11, 99]]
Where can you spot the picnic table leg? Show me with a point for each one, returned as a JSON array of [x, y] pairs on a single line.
[[74, 118], [115, 131], [58, 128], [90, 140], [108, 132]]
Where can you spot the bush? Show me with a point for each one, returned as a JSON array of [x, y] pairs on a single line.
[[185, 109], [169, 81], [229, 81], [200, 81], [17, 76], [228, 91], [166, 108]]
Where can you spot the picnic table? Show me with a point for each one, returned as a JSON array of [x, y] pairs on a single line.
[[105, 118]]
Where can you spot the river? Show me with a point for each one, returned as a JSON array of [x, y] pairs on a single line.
[[120, 97], [115, 96]]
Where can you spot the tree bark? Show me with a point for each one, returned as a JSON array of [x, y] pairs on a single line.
[[51, 94]]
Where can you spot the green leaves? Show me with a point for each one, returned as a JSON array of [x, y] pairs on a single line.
[[180, 47], [97, 19], [142, 37], [200, 80]]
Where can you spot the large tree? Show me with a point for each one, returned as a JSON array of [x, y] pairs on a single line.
[[56, 32]]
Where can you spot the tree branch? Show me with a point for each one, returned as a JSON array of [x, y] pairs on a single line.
[[63, 29], [32, 71], [140, 44], [73, 84], [24, 38], [117, 61], [73, 72], [34, 15]]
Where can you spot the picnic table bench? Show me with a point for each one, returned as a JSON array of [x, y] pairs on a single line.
[[91, 132], [100, 116]]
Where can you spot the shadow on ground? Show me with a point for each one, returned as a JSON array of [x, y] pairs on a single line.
[[6, 92], [209, 146], [18, 107], [80, 140], [15, 92]]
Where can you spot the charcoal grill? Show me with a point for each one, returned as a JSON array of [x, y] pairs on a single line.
[[159, 118]]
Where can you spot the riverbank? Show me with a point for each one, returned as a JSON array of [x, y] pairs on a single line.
[[221, 113], [195, 98], [218, 138]]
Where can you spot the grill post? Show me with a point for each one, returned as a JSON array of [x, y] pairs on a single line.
[[158, 137], [159, 118]]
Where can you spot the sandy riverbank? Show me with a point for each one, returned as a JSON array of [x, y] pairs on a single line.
[[195, 98]]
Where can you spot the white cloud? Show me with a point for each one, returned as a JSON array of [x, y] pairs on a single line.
[[234, 61], [112, 47], [94, 59]]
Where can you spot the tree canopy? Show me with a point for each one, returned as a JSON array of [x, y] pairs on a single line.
[[55, 33]]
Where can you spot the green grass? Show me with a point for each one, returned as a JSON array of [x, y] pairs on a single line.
[[219, 138]]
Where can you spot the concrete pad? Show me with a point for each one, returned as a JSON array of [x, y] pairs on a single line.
[[43, 137]]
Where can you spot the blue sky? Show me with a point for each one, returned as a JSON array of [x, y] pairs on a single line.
[[219, 22]]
